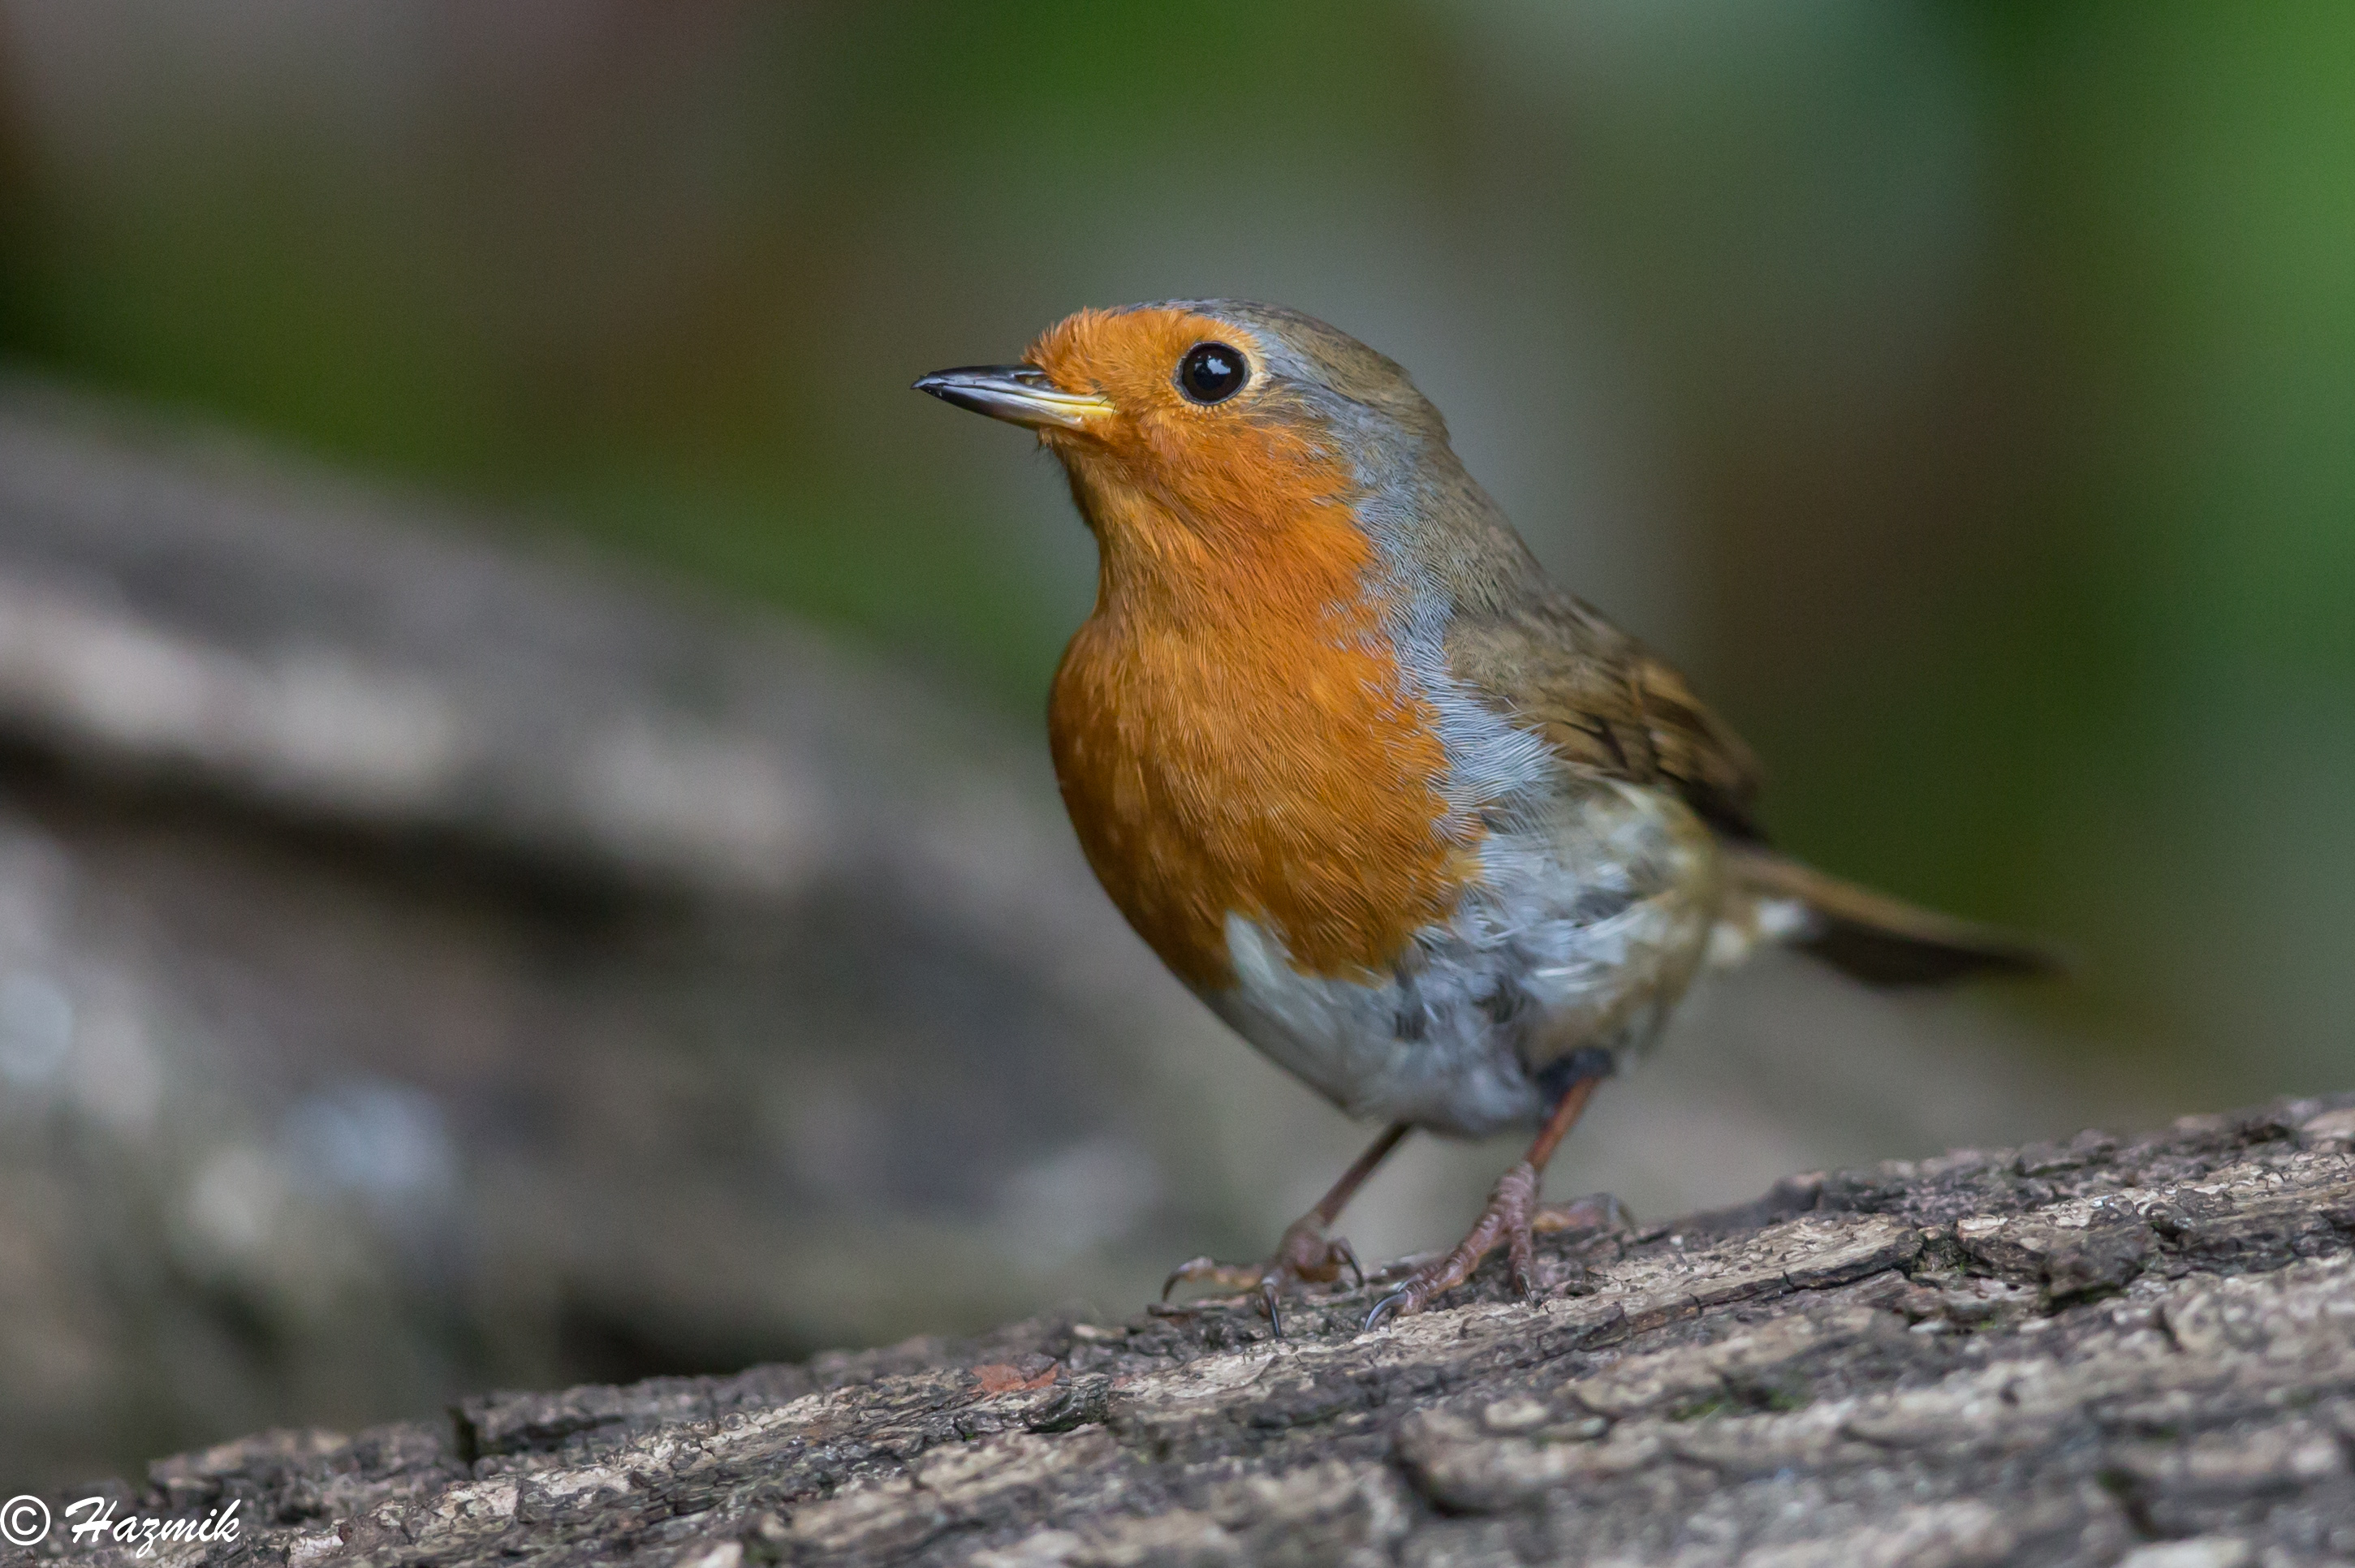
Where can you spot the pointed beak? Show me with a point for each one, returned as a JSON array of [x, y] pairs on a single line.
[[1019, 394]]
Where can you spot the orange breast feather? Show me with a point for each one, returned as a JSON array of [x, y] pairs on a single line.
[[1232, 734]]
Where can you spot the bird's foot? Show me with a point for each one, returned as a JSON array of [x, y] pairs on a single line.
[[1305, 1255], [1507, 1221]]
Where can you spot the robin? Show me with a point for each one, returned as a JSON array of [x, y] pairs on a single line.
[[1423, 828]]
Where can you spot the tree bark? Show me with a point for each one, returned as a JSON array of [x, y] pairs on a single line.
[[2108, 1350]]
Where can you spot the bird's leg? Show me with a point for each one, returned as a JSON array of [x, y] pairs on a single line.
[[1512, 1206], [1305, 1255]]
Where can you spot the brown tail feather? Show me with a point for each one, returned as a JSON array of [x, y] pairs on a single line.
[[1881, 939]]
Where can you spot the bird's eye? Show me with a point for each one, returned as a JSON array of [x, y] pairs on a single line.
[[1211, 373]]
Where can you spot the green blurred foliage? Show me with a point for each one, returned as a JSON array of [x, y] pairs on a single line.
[[1966, 391]]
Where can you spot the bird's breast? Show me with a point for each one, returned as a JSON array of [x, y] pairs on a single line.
[[1278, 767]]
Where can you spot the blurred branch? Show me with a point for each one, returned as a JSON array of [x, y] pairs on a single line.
[[186, 610], [182, 612]]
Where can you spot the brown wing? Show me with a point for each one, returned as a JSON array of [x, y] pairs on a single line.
[[1607, 703]]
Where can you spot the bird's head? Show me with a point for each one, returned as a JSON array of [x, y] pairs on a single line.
[[1214, 441]]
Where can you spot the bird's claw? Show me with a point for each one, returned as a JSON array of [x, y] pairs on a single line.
[[1505, 1220], [1305, 1255]]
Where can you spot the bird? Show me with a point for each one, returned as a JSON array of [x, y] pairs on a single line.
[[1423, 827]]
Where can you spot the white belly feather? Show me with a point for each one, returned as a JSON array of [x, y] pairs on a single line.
[[1594, 908]]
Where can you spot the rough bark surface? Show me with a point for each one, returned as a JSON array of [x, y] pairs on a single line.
[[2105, 1351]]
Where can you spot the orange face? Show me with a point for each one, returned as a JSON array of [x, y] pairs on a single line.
[[1188, 485], [1231, 728]]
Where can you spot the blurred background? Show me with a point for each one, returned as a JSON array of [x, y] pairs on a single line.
[[526, 854]]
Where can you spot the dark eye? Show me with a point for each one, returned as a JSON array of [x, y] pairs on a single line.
[[1211, 373]]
